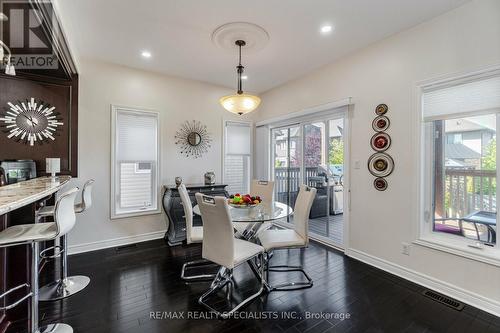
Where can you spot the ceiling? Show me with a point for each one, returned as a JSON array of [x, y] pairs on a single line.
[[178, 33]]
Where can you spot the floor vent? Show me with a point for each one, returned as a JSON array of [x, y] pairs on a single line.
[[452, 303], [125, 247]]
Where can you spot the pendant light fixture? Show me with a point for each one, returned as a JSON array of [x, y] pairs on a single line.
[[240, 103]]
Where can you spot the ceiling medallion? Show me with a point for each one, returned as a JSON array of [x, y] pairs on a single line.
[[193, 139], [240, 103], [255, 37], [31, 122]]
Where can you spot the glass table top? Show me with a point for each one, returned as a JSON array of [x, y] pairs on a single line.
[[260, 213]]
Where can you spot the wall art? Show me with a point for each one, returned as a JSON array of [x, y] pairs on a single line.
[[193, 139]]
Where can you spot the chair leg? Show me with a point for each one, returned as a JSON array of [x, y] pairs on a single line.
[[289, 285], [196, 263], [220, 281]]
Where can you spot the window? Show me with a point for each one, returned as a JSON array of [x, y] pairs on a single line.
[[237, 152], [135, 162], [460, 122]]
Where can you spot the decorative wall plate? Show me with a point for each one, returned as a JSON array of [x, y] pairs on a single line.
[[380, 165], [380, 141], [380, 123], [193, 139], [380, 184], [381, 109], [31, 122]]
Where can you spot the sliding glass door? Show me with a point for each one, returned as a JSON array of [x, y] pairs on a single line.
[[312, 153], [286, 163]]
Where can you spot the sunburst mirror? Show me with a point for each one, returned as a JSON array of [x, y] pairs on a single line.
[[193, 139]]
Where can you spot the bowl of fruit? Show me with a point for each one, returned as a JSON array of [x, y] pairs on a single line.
[[242, 201]]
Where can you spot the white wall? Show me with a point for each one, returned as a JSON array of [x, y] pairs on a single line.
[[177, 100], [386, 72]]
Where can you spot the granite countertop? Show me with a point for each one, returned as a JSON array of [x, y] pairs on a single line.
[[26, 192]]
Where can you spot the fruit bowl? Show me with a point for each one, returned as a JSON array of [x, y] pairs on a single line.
[[243, 201]]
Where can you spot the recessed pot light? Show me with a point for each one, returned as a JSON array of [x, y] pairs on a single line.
[[326, 29], [146, 54], [244, 77]]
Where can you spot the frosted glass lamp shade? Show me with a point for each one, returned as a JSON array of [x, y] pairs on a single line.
[[240, 103], [53, 166]]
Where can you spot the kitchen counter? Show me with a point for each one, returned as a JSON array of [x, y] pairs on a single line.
[[26, 192]]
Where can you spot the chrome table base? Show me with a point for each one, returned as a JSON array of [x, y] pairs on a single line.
[[63, 288], [224, 278]]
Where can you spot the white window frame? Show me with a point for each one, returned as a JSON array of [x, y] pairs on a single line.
[[252, 150], [423, 182], [156, 170]]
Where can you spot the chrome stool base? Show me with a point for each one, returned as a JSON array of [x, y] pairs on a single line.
[[63, 288], [56, 328]]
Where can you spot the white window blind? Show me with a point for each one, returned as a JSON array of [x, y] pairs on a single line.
[[238, 138], [238, 149], [477, 95], [135, 161], [137, 136]]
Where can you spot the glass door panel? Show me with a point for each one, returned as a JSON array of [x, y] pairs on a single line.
[[316, 175], [286, 163], [312, 154], [336, 153]]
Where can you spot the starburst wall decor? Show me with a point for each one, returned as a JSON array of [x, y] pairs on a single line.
[[32, 121], [193, 139]]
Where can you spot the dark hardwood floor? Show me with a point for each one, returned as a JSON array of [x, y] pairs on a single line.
[[129, 284]]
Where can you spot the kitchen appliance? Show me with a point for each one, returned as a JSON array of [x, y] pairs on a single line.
[[18, 170]]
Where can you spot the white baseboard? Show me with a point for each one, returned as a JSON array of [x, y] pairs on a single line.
[[104, 244], [487, 304]]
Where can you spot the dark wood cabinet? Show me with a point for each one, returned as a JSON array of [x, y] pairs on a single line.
[[172, 206]]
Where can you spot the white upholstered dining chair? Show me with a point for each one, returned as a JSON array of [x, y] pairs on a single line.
[[193, 235], [265, 190], [295, 238], [221, 247]]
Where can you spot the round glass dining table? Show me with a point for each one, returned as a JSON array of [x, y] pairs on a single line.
[[254, 216], [261, 213]]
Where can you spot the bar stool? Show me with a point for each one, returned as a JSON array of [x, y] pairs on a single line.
[[33, 234], [66, 285]]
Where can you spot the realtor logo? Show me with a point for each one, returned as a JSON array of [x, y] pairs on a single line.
[[23, 40]]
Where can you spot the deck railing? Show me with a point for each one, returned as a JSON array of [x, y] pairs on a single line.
[[284, 177], [467, 191]]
